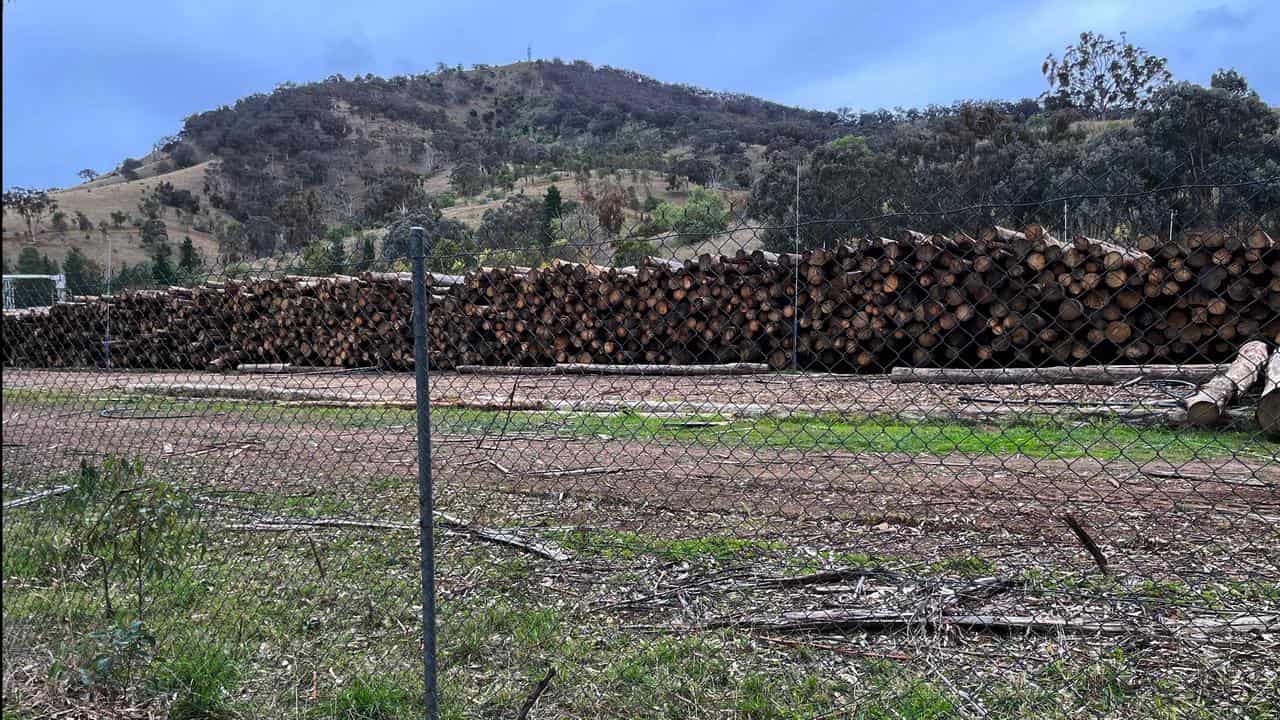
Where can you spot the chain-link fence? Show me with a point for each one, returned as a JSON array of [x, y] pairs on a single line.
[[979, 461]]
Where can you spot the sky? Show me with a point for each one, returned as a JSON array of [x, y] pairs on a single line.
[[88, 83]]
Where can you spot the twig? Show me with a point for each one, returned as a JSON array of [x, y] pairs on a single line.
[[1088, 542], [538, 689]]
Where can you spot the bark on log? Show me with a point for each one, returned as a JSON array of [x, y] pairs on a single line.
[[1209, 403], [1268, 413]]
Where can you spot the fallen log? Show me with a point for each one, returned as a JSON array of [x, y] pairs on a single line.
[[1064, 375], [1209, 403], [672, 370], [603, 369], [1268, 413]]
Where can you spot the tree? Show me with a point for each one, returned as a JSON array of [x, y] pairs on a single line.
[[84, 277], [162, 271], [30, 262], [516, 225], [467, 178], [129, 168], [609, 208], [31, 205], [154, 232], [367, 256], [189, 260], [450, 243], [59, 222], [299, 214], [119, 218], [1101, 77], [552, 208], [631, 251], [87, 174], [83, 222], [337, 255]]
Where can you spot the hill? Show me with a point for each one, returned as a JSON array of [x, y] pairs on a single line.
[[356, 152], [473, 152]]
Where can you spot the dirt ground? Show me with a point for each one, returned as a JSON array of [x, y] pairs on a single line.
[[1158, 515]]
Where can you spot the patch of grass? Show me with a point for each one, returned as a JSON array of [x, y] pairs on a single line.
[[200, 675], [370, 698], [625, 545], [971, 566], [1104, 440], [915, 700]]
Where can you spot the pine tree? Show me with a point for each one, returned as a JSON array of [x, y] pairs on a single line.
[[337, 256], [189, 261], [162, 271], [73, 266], [552, 206], [30, 262]]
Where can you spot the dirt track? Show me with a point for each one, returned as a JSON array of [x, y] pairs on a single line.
[[1156, 515]]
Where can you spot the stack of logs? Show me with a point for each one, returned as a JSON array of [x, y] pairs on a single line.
[[1003, 299]]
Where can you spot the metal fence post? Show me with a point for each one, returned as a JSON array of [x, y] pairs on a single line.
[[425, 500]]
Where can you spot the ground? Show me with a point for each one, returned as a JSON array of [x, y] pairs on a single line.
[[782, 545]]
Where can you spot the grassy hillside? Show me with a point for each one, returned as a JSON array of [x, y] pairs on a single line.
[[97, 200]]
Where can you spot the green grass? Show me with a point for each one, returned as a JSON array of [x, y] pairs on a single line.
[[628, 545], [1099, 439]]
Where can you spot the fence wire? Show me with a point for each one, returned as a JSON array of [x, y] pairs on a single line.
[[965, 462]]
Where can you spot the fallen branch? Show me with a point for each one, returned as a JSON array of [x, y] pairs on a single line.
[[37, 497], [538, 689], [1087, 541], [873, 620], [502, 537]]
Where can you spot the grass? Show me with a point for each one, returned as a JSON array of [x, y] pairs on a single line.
[[1103, 440], [244, 626], [628, 546]]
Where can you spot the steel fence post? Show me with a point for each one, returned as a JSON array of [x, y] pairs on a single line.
[[425, 499]]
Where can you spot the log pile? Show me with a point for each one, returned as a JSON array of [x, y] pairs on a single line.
[[1004, 299]]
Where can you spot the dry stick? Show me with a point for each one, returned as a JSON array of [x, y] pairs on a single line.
[[538, 689], [1087, 541], [873, 620], [500, 537]]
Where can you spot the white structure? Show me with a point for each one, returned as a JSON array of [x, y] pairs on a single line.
[[59, 287]]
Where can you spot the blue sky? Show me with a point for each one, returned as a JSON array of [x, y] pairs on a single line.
[[87, 83]]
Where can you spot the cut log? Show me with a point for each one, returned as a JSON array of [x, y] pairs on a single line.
[[1060, 375], [1209, 403], [1268, 413]]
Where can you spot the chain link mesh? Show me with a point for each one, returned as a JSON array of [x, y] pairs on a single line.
[[909, 465]]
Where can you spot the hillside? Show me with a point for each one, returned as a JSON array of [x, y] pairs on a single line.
[[97, 201], [473, 152], [355, 152]]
